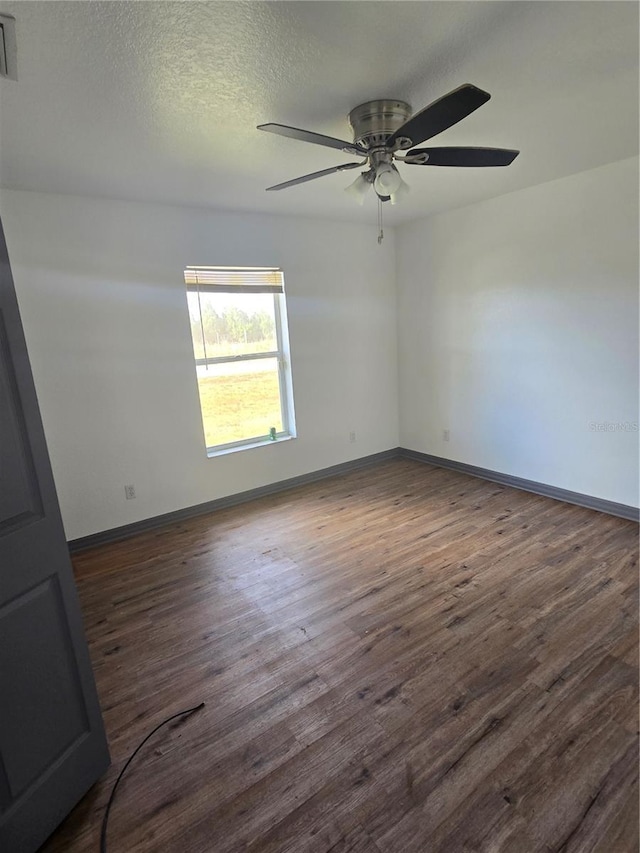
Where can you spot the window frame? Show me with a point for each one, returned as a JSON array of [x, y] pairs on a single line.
[[281, 354]]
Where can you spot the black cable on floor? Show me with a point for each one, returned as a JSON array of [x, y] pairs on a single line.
[[103, 830]]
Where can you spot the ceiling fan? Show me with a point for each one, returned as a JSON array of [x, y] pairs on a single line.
[[383, 128]]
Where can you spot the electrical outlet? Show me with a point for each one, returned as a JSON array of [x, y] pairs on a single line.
[[129, 492], [445, 435], [352, 437]]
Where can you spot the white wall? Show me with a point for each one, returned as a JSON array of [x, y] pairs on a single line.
[[103, 305], [518, 328]]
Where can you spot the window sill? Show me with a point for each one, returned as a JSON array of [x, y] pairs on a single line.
[[263, 442]]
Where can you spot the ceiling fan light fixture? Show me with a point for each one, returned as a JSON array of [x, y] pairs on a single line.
[[403, 190], [359, 188], [388, 180]]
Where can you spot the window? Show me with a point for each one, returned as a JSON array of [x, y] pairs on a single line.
[[241, 349]]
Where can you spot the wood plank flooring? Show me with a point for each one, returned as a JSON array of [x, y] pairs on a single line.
[[400, 660]]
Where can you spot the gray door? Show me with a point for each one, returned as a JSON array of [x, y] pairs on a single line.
[[52, 741]]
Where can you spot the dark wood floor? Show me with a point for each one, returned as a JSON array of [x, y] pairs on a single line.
[[400, 659]]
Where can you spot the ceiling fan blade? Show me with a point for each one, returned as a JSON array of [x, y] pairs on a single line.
[[310, 136], [441, 114], [314, 175], [463, 156]]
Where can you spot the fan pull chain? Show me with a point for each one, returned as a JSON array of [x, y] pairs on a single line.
[[380, 231]]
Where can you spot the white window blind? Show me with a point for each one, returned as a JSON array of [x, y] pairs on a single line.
[[235, 279]]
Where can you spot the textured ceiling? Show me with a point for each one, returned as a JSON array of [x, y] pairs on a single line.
[[158, 101]]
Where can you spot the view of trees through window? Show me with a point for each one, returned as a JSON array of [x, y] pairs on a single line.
[[240, 400], [232, 329]]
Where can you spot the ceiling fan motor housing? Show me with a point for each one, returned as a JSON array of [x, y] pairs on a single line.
[[375, 121]]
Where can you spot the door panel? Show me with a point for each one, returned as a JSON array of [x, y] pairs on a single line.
[[52, 741], [19, 495], [41, 676]]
